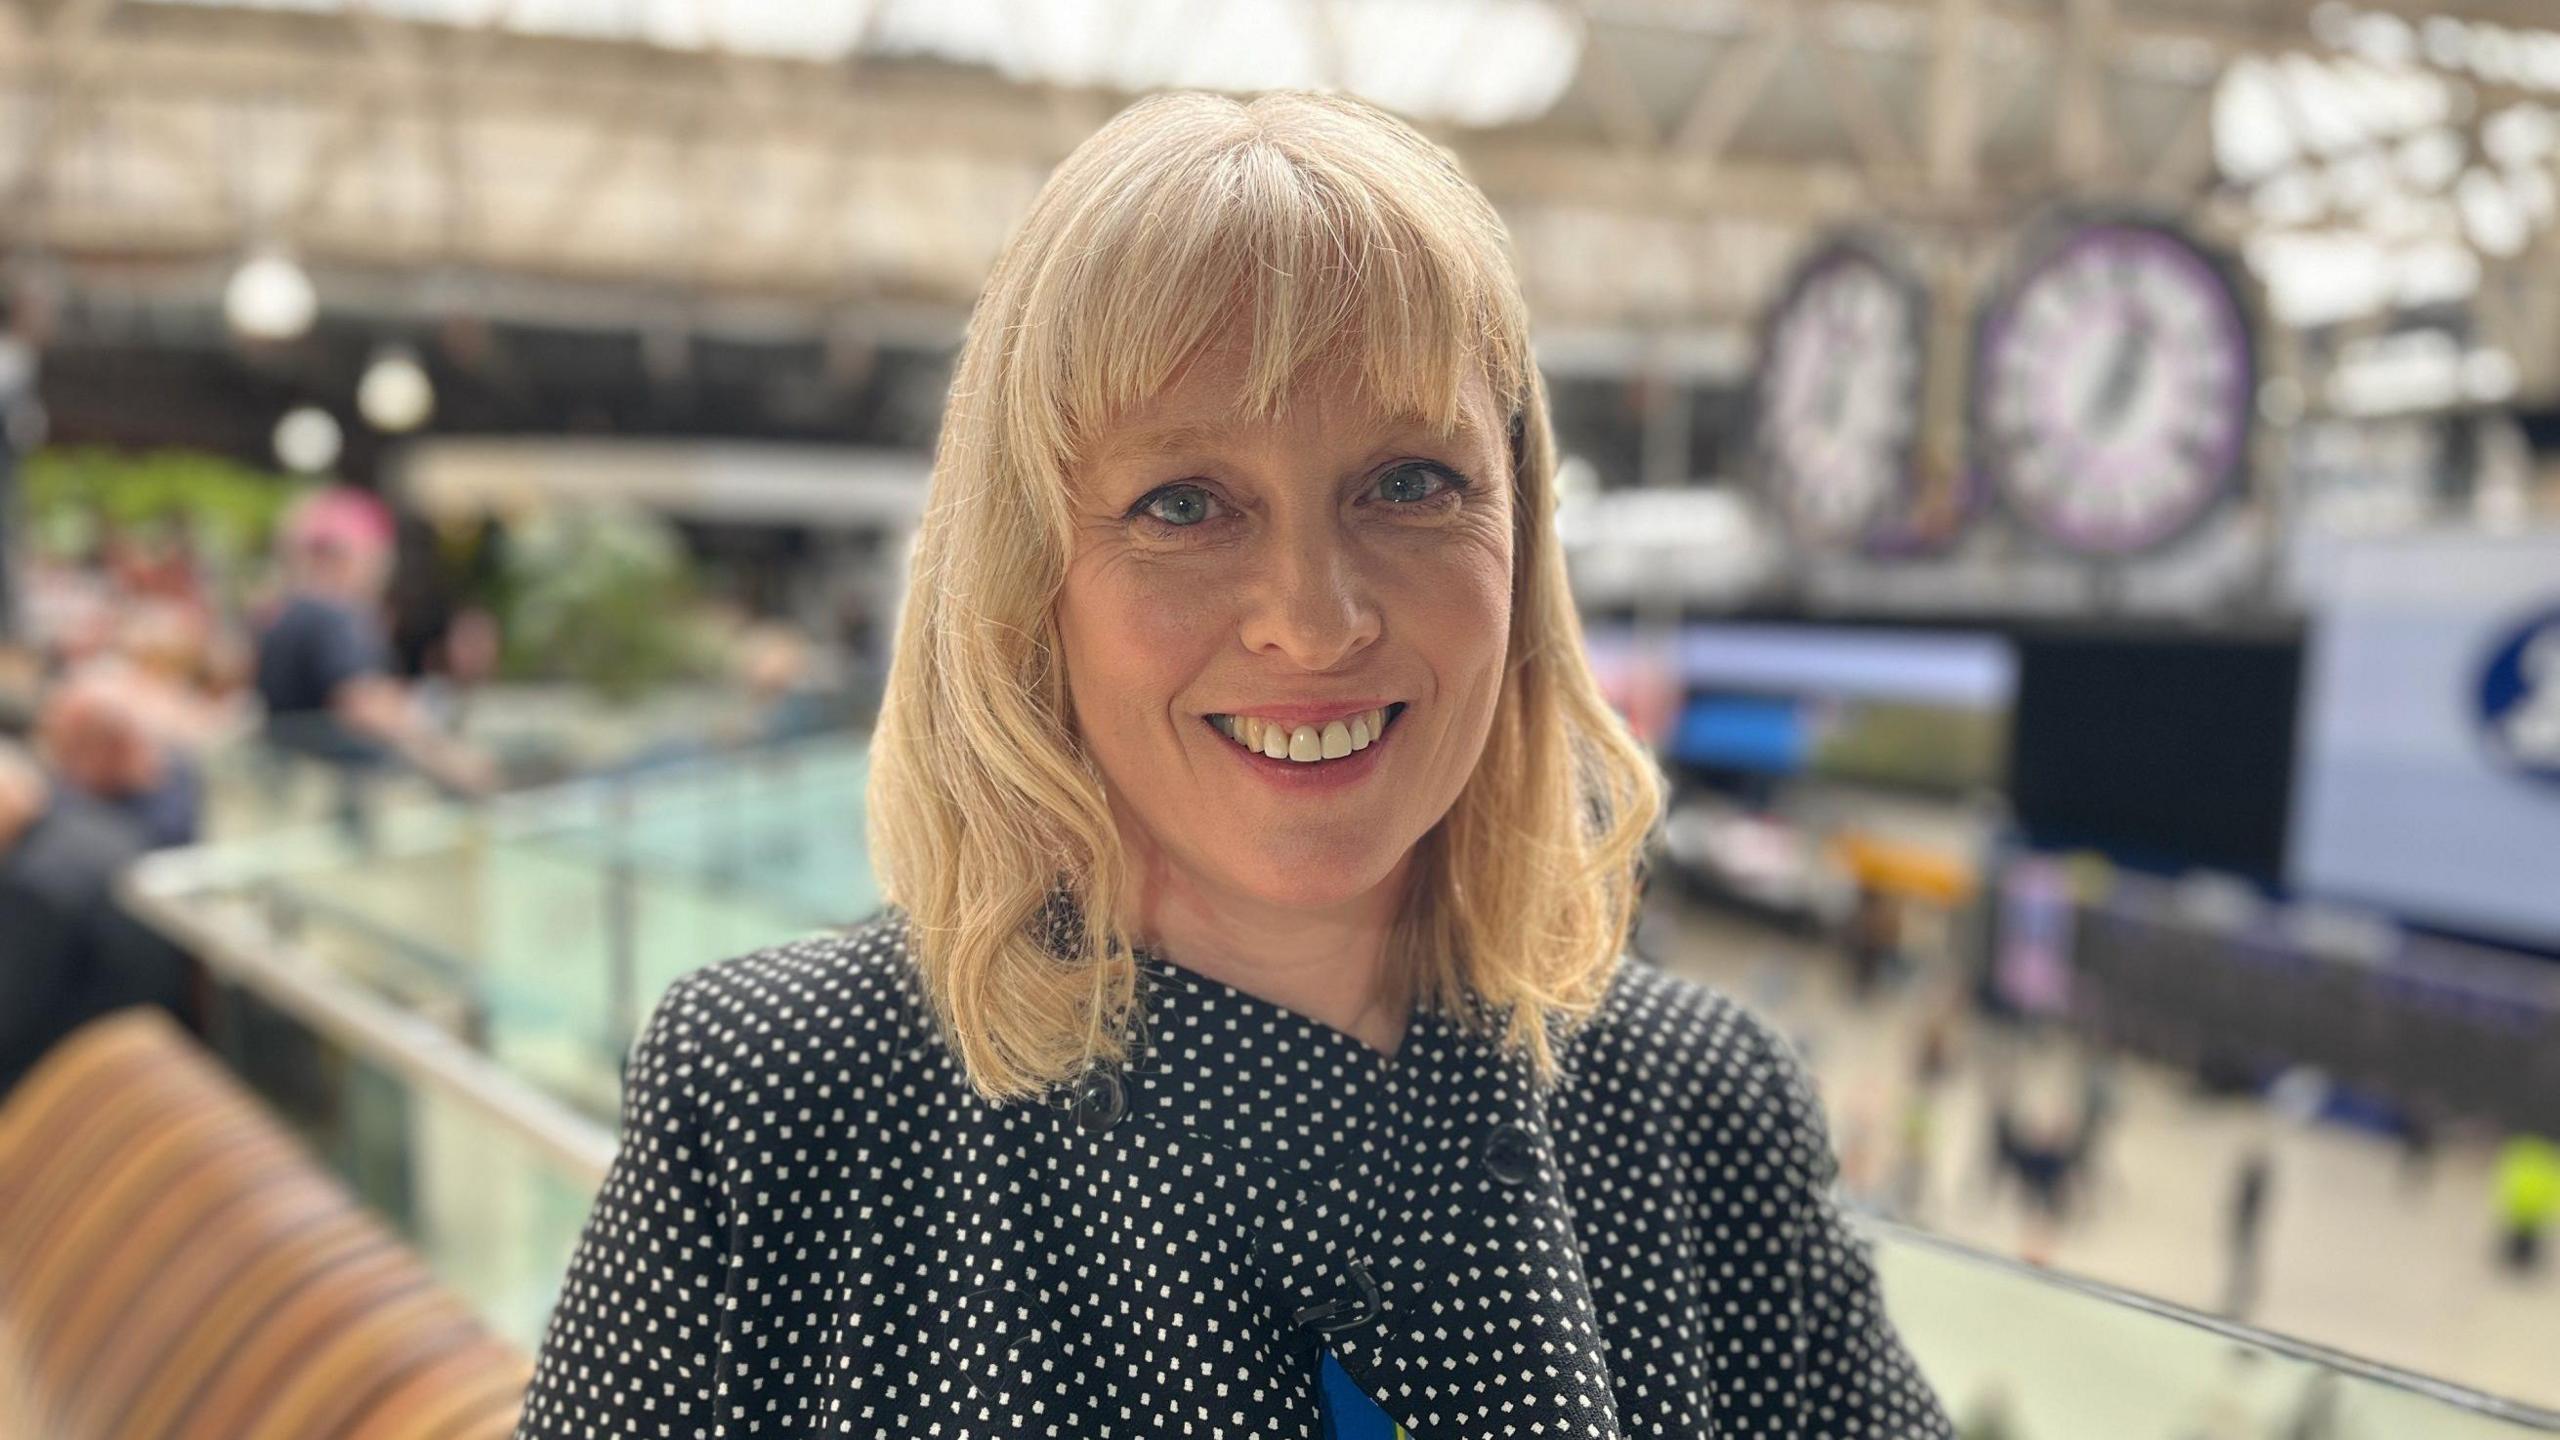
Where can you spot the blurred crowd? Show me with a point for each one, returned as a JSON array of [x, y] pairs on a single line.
[[2052, 1101], [146, 702], [127, 672]]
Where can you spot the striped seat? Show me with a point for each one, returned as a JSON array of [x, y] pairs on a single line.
[[174, 1267]]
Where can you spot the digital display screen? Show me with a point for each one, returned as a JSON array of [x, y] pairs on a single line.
[[1924, 709], [2164, 751]]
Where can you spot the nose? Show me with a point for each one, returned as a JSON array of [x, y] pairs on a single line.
[[1310, 602]]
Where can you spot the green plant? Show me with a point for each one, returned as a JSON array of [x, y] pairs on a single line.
[[228, 508], [601, 596]]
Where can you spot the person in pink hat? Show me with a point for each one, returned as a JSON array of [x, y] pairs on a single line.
[[323, 665]]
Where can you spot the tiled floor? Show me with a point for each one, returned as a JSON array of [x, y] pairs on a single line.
[[2358, 1257]]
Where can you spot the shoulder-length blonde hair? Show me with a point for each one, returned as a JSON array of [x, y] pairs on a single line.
[[1316, 230]]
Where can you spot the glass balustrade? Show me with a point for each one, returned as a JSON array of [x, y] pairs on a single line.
[[467, 983]]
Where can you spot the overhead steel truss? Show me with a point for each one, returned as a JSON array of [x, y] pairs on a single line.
[[1697, 147]]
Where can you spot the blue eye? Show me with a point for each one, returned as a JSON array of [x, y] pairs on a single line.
[[1412, 485], [1180, 506], [1414, 482]]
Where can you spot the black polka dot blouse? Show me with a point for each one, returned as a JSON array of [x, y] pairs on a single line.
[[814, 1227]]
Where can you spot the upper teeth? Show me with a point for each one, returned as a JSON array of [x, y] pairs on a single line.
[[1330, 741]]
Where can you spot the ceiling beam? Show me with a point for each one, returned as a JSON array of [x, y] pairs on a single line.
[[950, 153], [2184, 167], [1953, 130], [1874, 134], [1738, 77], [2080, 138]]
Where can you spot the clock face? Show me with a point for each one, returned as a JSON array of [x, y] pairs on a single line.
[[1839, 397], [2114, 389]]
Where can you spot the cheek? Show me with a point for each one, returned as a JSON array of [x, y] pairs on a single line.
[[1460, 608], [1133, 639]]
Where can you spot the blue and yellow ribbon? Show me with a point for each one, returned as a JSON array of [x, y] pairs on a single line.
[[1349, 1413]]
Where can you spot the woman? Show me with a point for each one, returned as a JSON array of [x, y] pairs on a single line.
[[1248, 1048]]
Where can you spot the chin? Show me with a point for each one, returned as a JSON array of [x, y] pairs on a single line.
[[1299, 883]]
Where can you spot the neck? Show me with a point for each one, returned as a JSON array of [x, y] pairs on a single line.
[[1330, 963]]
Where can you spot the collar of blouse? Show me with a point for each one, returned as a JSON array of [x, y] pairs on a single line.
[[1411, 1216]]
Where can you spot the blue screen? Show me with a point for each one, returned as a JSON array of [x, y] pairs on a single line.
[[1767, 737]]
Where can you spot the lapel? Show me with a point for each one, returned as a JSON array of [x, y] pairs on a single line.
[[1416, 1221]]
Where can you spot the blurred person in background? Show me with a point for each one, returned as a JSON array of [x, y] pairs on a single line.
[[441, 624], [154, 561], [465, 657], [2037, 1151], [770, 664], [188, 674], [2039, 1138], [70, 608], [1187, 1088], [2528, 1181], [22, 686], [69, 951], [95, 735], [1920, 1115], [2418, 1135], [2251, 1183], [777, 673], [2101, 1097], [1874, 939], [323, 664]]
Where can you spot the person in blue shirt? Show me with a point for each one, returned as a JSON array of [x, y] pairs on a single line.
[[324, 666]]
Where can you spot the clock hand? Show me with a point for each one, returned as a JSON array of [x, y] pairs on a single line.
[[2124, 373]]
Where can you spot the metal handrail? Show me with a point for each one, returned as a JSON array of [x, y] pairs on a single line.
[[2357, 1367], [158, 887], [161, 887]]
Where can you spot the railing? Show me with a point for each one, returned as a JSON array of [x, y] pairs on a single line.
[[445, 1004], [475, 978], [2068, 1357]]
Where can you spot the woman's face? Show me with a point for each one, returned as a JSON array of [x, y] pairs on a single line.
[[1278, 579]]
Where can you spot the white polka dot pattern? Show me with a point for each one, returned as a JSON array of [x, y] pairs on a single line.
[[814, 1227]]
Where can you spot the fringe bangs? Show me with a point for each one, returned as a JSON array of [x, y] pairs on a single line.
[[1261, 229]]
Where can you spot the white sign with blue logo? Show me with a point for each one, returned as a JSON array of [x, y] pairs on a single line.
[[2428, 782], [2520, 698]]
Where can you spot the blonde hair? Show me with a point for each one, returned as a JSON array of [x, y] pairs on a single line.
[[1330, 234]]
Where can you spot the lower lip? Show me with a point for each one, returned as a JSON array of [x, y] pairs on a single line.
[[1309, 777]]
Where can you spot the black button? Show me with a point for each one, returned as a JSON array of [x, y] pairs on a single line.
[[1510, 1154], [1345, 1312], [1099, 1103]]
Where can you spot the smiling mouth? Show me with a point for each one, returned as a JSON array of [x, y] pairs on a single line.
[[1307, 744]]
